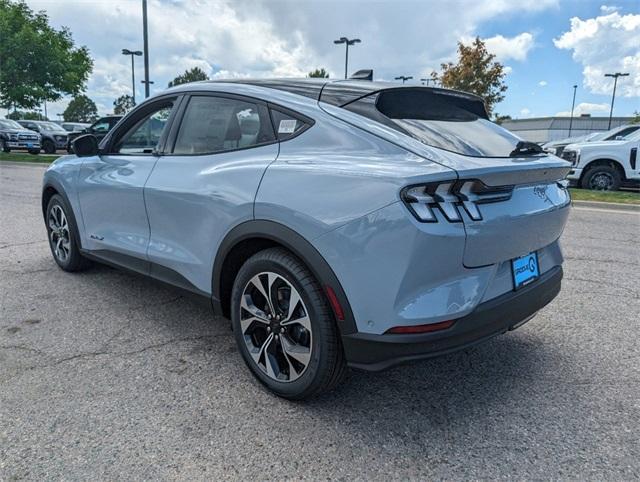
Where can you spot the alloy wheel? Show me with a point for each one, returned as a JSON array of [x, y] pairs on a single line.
[[276, 327], [59, 233], [602, 181]]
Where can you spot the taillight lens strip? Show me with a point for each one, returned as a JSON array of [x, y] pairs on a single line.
[[449, 196]]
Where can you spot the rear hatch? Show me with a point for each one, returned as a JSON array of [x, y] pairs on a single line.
[[509, 194]]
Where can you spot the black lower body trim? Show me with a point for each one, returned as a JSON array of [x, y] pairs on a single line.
[[496, 316], [152, 270]]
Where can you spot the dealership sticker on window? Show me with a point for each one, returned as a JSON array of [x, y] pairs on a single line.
[[287, 126]]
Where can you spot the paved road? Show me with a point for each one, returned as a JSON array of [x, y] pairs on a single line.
[[109, 375]]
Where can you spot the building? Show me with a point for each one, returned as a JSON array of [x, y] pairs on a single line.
[[545, 129]]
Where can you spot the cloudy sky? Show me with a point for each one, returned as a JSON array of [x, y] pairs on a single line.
[[547, 45]]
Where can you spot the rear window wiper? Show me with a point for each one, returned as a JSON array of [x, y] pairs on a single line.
[[524, 148]]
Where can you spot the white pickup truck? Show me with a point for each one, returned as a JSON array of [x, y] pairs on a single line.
[[604, 165]]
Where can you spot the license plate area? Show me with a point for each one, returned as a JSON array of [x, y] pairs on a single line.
[[525, 270]]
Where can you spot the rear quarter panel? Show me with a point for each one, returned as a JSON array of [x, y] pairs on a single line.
[[334, 173]]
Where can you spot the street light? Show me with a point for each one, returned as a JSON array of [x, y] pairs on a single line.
[[613, 97], [427, 81], [573, 104], [403, 78], [145, 40], [133, 53], [346, 42]]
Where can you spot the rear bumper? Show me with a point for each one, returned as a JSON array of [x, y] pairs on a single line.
[[506, 312]]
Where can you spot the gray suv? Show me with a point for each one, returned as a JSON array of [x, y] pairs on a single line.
[[53, 136], [336, 223]]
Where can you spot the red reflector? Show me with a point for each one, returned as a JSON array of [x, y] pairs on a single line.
[[443, 325], [335, 304]]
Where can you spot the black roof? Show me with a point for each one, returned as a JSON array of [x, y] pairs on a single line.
[[341, 92]]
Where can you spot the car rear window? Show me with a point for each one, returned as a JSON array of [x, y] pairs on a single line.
[[444, 120]]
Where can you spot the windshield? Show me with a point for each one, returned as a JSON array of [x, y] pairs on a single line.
[[50, 126], [10, 124]]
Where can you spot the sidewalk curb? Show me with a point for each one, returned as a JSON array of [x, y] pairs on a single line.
[[609, 206], [19, 163]]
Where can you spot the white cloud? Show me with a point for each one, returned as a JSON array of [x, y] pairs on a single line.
[[608, 9], [585, 108], [606, 44], [525, 112], [262, 38], [542, 83], [510, 48], [508, 69]]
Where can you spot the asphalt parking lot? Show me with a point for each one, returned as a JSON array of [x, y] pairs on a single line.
[[107, 375]]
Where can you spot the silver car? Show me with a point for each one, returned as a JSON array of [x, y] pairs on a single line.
[[336, 223]]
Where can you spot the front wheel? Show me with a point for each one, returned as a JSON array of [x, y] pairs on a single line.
[[65, 248], [602, 178], [284, 328], [49, 147], [5, 147]]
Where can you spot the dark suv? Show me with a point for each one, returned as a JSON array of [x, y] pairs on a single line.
[[53, 136], [99, 129], [14, 136]]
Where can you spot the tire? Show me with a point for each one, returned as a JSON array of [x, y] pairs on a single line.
[[304, 357], [5, 148], [61, 232], [35, 152], [48, 147], [602, 177]]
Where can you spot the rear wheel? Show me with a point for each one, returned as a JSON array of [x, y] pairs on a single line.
[[602, 178], [284, 328], [61, 229]]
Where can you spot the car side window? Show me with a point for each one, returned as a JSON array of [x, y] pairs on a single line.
[[102, 126], [286, 125], [216, 124], [144, 136]]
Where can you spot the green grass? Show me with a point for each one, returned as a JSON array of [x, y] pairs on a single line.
[[624, 197], [26, 157]]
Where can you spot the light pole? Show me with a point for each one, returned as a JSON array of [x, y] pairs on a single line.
[[573, 104], [427, 81], [145, 38], [613, 97], [133, 53], [403, 78], [346, 42]]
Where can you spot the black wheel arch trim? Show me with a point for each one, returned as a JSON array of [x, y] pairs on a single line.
[[56, 186], [295, 243]]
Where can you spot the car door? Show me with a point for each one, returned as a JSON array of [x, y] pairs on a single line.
[[205, 184], [110, 186]]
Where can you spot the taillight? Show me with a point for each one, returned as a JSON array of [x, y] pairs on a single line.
[[449, 196]]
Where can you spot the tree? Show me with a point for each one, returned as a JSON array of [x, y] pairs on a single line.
[[636, 118], [81, 109], [29, 115], [476, 71], [123, 104], [37, 62], [194, 75], [320, 73], [499, 119]]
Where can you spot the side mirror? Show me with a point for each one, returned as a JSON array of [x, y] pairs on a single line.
[[85, 146], [619, 138]]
